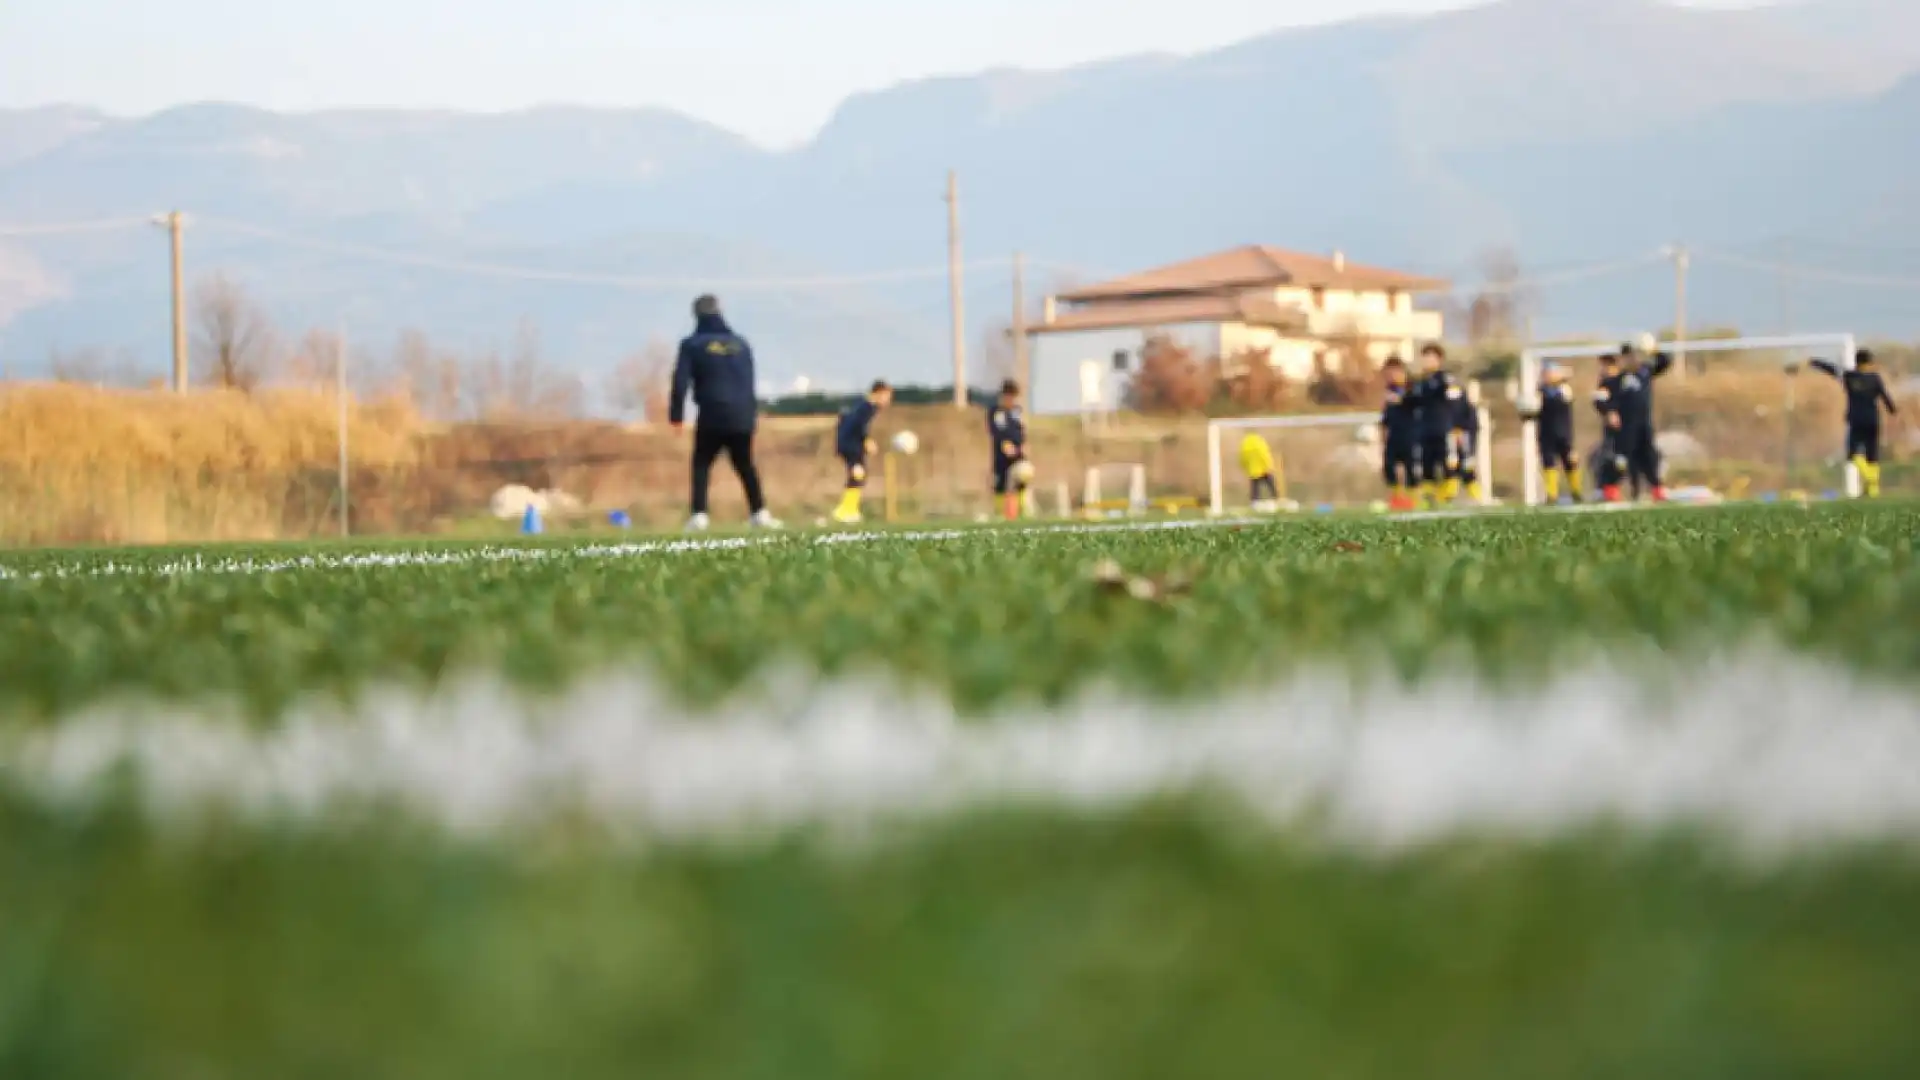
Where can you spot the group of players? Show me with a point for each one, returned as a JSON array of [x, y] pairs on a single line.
[[1430, 433], [1006, 431], [715, 369], [1431, 427]]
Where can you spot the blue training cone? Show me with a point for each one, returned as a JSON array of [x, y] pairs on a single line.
[[530, 523], [619, 520]]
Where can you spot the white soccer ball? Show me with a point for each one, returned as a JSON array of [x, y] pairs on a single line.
[[1648, 343], [1023, 473], [906, 442]]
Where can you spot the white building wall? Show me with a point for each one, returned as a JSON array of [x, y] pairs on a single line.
[[1056, 361]]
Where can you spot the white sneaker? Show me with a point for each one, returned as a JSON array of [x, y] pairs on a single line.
[[765, 520], [698, 523]]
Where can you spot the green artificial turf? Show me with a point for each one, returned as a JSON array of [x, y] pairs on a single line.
[[989, 615], [1165, 941]]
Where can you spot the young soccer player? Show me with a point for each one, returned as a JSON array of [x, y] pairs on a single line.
[[1256, 459], [1463, 473], [1553, 434], [1008, 431], [1612, 465], [853, 441], [1435, 399], [1866, 393], [1399, 437], [1632, 401]]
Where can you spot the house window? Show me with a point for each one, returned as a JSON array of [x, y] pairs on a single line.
[[1319, 298]]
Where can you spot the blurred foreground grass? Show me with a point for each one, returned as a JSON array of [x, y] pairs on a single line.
[[990, 616], [1168, 941]]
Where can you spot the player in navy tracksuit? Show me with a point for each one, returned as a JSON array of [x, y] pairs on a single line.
[[1463, 449], [1007, 430], [1630, 417], [1436, 399], [1866, 393], [852, 442], [1553, 434], [716, 367], [1399, 435]]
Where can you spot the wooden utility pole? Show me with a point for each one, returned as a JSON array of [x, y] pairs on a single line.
[[1680, 312], [1022, 367], [340, 402], [956, 290], [176, 227]]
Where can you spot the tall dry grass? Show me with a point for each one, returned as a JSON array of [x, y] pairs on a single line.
[[87, 464]]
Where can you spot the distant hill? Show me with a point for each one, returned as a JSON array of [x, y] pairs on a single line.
[[1571, 130]]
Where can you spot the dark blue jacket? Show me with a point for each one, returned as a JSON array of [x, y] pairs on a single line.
[[1007, 427], [1436, 401], [1630, 393], [716, 364], [850, 438], [1400, 416], [1555, 420], [1865, 393]]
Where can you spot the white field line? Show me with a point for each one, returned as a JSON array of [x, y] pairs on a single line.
[[209, 563], [1776, 753]]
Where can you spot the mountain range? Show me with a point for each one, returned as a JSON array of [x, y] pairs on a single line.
[[1568, 131]]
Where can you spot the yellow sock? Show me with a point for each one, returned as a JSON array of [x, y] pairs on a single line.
[[1473, 490], [1428, 493], [1576, 483], [1870, 475], [1552, 479], [849, 503], [1451, 490]]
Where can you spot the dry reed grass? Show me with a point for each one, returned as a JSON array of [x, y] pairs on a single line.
[[87, 464]]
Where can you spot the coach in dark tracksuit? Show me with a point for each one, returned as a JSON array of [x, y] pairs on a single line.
[[716, 367], [1866, 392], [1631, 397]]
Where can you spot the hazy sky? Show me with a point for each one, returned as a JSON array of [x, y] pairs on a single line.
[[770, 69]]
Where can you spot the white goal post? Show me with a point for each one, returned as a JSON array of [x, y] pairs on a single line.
[[1216, 430], [1840, 345]]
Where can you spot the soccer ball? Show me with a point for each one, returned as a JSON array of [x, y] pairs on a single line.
[[1022, 473], [907, 443]]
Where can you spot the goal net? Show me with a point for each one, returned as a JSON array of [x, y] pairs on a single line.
[[1321, 460], [1739, 417]]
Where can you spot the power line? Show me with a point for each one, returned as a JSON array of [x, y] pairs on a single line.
[[68, 228], [623, 281], [1814, 273]]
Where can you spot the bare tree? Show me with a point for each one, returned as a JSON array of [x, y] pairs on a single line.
[[522, 385], [999, 360], [641, 383], [93, 367], [315, 361], [430, 379], [235, 342]]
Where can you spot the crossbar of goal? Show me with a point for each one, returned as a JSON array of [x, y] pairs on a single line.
[[1216, 473], [1842, 346]]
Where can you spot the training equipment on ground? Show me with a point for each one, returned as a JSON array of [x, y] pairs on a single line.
[[906, 443], [1329, 457], [1095, 500], [1022, 473], [1775, 438]]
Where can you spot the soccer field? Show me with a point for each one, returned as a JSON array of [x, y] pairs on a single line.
[[1530, 795]]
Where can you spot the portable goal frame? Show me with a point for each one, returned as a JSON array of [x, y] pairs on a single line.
[[1532, 358]]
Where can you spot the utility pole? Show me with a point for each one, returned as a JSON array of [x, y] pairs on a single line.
[[340, 393], [956, 290], [176, 228], [1022, 368], [1680, 311]]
